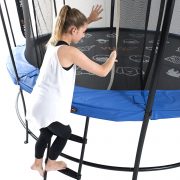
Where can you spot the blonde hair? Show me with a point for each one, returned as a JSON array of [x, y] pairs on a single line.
[[67, 17]]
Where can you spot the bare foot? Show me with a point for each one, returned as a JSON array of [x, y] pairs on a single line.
[[39, 169], [55, 165]]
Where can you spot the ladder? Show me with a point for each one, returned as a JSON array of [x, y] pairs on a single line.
[[83, 140]]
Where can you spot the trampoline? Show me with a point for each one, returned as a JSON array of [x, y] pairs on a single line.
[[143, 85]]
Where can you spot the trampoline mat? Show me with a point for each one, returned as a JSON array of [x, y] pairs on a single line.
[[98, 44]]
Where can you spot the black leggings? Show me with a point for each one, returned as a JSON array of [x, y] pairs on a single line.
[[56, 128]]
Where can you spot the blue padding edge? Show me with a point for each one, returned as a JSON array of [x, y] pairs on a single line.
[[113, 105], [119, 105], [26, 72]]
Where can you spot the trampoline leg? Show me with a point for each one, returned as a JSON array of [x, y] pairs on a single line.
[[140, 145], [24, 108], [165, 30], [83, 148], [27, 133]]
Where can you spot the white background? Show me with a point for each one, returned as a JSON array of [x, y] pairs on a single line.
[[108, 142]]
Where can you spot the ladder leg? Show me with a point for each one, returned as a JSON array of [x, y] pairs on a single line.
[[83, 148], [48, 147]]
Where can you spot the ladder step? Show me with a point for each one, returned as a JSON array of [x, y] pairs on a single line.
[[70, 173], [78, 139]]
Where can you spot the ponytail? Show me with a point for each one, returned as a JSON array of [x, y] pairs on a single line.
[[66, 18], [60, 20]]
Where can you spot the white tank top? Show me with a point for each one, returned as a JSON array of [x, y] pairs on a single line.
[[52, 94]]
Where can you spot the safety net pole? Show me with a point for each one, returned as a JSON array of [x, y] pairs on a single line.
[[112, 14], [117, 12], [55, 7], [10, 25], [157, 33], [20, 15], [153, 85], [144, 42], [14, 67]]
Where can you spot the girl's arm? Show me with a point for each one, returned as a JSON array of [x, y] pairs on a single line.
[[81, 60]]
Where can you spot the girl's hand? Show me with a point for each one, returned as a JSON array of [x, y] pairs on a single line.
[[113, 55], [94, 15]]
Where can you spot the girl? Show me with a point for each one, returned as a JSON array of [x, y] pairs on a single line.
[[52, 95]]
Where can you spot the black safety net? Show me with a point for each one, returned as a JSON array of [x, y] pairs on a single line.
[[38, 19], [138, 41]]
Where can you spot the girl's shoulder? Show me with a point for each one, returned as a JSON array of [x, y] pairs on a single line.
[[69, 50]]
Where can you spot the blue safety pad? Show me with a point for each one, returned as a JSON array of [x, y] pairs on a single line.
[[120, 105], [166, 104], [26, 72], [113, 105]]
